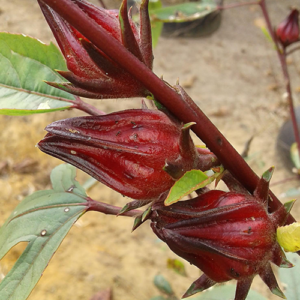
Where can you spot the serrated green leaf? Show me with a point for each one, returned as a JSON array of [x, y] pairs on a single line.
[[188, 183], [43, 220], [226, 292], [184, 12], [290, 277], [25, 62], [163, 285]]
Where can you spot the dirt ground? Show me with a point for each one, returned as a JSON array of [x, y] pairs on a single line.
[[235, 78]]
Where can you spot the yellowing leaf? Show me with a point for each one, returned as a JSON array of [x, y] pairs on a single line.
[[289, 237]]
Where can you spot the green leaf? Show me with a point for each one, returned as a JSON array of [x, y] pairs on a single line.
[[290, 277], [156, 26], [163, 285], [154, 4], [177, 266], [184, 12], [226, 292], [43, 220], [294, 153], [25, 62], [188, 183], [156, 29]]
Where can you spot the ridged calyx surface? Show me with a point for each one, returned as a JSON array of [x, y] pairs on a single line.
[[127, 150], [288, 31], [93, 74], [228, 235]]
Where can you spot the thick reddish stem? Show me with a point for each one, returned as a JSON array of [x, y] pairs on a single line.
[[109, 209], [186, 112], [86, 107]]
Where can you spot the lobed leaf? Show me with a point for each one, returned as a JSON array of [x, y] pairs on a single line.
[[25, 62], [42, 220]]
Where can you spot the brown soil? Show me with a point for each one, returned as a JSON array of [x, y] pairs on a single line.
[[235, 78]]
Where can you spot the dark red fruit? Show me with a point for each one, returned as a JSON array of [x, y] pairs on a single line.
[[288, 30], [93, 74], [127, 150], [228, 235]]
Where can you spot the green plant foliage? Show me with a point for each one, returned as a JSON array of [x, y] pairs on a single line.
[[42, 220], [290, 277], [163, 285], [25, 63], [184, 12], [188, 183], [156, 26], [294, 153], [226, 292], [177, 266]]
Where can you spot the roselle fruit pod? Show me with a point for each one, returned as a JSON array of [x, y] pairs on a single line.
[[228, 235], [287, 31], [126, 150], [93, 74]]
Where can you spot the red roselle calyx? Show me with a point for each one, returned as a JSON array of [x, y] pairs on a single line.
[[288, 30], [228, 235], [131, 151], [93, 74]]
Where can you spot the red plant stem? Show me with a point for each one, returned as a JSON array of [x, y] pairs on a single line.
[[282, 58], [109, 209], [186, 112], [86, 107]]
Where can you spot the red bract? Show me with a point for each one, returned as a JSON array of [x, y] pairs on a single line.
[[288, 30], [227, 235], [127, 150], [93, 74]]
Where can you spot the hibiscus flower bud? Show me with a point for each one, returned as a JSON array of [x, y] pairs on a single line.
[[228, 235], [127, 150], [93, 74], [288, 30]]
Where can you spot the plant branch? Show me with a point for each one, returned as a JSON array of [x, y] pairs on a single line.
[[86, 107], [109, 209], [186, 112], [282, 54]]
